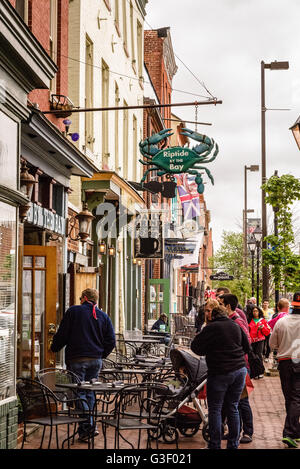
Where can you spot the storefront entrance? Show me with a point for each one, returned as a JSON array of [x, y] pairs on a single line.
[[159, 300], [39, 298]]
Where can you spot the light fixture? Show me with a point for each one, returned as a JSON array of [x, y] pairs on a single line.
[[252, 245], [296, 131], [134, 260], [112, 251], [139, 262], [257, 233], [184, 278], [84, 219], [27, 180], [102, 247]]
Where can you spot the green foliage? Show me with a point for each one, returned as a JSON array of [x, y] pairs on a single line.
[[281, 192], [229, 258]]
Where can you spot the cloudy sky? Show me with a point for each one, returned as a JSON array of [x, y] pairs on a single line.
[[223, 43]]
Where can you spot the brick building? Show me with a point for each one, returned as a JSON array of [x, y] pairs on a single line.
[[33, 68]]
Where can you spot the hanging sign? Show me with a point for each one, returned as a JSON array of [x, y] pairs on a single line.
[[221, 276], [176, 160]]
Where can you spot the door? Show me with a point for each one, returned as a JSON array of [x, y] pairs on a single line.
[[159, 300], [39, 297]]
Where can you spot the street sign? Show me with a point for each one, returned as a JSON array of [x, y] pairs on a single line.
[[221, 276]]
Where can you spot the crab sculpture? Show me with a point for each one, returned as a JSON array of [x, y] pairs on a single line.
[[175, 160]]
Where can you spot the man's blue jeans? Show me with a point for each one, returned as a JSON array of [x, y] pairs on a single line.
[[86, 371], [224, 389]]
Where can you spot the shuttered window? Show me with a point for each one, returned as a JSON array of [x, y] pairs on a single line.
[[7, 299]]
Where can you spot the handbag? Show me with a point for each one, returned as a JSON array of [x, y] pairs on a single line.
[[256, 366]]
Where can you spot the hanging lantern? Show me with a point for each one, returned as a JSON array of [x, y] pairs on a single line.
[[85, 219], [102, 247], [27, 181]]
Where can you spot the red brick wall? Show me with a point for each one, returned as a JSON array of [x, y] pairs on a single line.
[[39, 24]]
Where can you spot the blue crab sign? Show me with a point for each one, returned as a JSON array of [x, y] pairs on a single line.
[[176, 160]]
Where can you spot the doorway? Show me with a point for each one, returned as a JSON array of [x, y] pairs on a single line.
[[38, 322]]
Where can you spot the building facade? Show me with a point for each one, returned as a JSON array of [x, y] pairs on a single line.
[[37, 162], [106, 71]]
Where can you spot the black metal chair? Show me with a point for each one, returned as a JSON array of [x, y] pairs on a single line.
[[40, 406], [134, 408]]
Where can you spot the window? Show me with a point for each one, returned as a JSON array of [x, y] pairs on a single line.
[[117, 102], [134, 148], [117, 16], [89, 119], [9, 132], [22, 9], [140, 48], [7, 299], [132, 37], [125, 142], [53, 40], [105, 114], [125, 27]]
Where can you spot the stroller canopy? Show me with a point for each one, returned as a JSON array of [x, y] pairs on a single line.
[[195, 367]]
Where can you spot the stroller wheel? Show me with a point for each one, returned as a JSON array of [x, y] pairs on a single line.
[[170, 434], [189, 431], [205, 432]]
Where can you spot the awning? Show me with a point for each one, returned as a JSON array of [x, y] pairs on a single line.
[[113, 187], [193, 258]]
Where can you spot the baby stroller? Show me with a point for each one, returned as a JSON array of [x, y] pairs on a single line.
[[183, 411]]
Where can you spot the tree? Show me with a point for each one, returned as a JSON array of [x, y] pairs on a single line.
[[281, 192], [229, 258]]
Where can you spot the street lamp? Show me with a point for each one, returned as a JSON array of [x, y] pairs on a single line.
[[272, 66], [252, 247], [245, 211], [257, 233]]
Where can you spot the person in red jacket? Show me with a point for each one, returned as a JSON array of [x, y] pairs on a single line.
[[259, 330]]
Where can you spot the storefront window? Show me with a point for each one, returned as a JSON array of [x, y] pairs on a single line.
[[8, 151], [7, 299]]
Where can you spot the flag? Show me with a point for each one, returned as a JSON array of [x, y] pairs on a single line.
[[189, 197]]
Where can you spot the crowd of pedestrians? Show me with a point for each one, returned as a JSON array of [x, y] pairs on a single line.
[[237, 342]]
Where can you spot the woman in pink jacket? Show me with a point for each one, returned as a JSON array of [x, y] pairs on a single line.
[[259, 330]]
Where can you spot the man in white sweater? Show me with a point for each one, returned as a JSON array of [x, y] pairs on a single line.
[[285, 338]]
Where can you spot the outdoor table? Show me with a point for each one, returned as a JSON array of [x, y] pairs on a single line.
[[144, 373], [139, 343]]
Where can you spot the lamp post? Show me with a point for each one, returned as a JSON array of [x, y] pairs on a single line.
[[275, 210], [245, 211], [272, 66], [252, 247], [257, 233]]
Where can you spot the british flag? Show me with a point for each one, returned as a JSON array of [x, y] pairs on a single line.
[[189, 197]]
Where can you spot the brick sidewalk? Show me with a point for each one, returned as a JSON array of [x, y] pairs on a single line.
[[268, 409]]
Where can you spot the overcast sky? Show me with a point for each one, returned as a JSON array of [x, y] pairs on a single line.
[[223, 42]]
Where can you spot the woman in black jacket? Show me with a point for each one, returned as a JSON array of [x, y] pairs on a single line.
[[224, 344]]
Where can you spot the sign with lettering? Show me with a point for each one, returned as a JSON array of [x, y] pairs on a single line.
[[221, 276], [44, 218]]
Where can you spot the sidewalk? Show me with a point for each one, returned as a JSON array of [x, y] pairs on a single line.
[[268, 409]]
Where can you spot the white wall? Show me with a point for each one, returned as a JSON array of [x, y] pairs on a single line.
[[84, 20]]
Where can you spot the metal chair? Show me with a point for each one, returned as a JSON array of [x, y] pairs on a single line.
[[134, 408], [40, 406]]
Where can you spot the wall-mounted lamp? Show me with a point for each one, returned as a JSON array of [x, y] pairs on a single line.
[[134, 261], [184, 278], [139, 262], [112, 251], [84, 219], [102, 247], [27, 182], [74, 136]]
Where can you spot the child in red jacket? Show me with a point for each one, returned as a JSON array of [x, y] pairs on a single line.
[[259, 330]]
